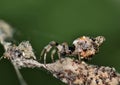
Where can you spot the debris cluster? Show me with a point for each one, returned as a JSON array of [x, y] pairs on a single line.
[[74, 72], [69, 71]]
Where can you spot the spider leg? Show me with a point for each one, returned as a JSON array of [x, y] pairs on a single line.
[[63, 50], [44, 52], [66, 47], [60, 49], [47, 49], [59, 55], [79, 57], [52, 54], [45, 58]]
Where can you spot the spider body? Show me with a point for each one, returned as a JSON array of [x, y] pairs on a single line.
[[83, 47]]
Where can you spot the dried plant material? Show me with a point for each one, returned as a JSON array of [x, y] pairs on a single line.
[[19, 75], [69, 71], [6, 30], [21, 55], [74, 72]]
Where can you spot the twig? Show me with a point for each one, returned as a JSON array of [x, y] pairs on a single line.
[[69, 71], [20, 77]]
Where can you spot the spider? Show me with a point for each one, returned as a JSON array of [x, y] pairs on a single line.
[[84, 47]]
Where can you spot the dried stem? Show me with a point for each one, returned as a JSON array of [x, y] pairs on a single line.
[[69, 71], [20, 77]]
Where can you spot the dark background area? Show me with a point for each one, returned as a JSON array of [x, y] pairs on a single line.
[[41, 21]]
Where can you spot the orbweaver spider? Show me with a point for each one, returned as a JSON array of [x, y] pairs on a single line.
[[83, 47]]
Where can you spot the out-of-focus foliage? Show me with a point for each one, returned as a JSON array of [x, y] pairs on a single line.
[[41, 21]]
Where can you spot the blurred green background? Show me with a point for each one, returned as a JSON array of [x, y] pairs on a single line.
[[41, 21]]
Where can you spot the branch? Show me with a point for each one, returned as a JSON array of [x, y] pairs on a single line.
[[69, 71]]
